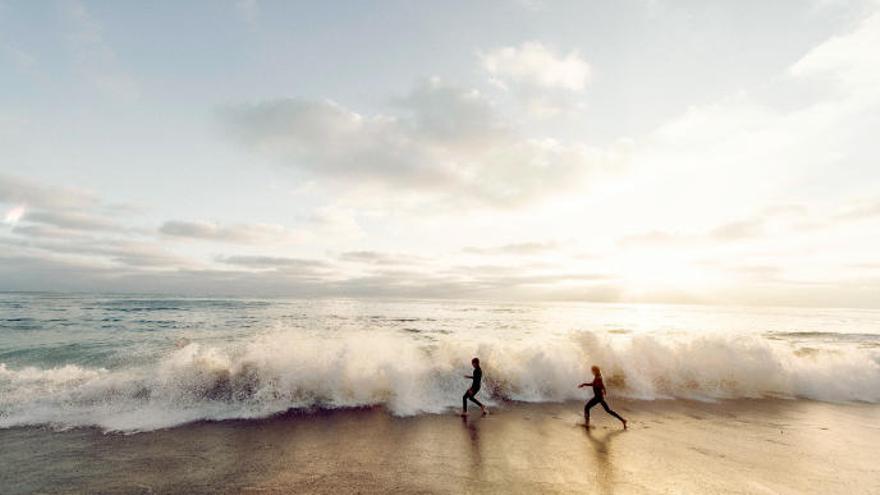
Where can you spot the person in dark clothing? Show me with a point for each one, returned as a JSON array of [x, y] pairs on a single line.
[[598, 397], [477, 377]]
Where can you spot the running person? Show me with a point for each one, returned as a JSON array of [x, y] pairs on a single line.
[[598, 397], [477, 377]]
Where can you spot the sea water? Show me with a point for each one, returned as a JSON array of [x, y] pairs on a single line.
[[137, 363]]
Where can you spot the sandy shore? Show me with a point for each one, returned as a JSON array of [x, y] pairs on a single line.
[[766, 446]]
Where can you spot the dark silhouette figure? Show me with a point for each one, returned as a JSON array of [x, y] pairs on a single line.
[[598, 397], [477, 377]]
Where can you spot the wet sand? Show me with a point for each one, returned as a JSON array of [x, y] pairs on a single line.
[[761, 446]]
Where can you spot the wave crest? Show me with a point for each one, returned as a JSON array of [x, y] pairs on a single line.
[[288, 370]]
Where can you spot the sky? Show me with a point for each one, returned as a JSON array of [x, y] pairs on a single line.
[[650, 151]]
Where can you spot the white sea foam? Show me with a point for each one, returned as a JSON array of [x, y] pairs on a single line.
[[282, 370]]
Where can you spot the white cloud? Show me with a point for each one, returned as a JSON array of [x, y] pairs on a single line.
[[74, 220], [276, 262], [451, 116], [337, 222], [738, 230], [747, 151], [240, 233], [533, 64], [744, 150], [851, 59], [44, 211], [379, 258], [15, 189], [96, 252], [859, 210], [517, 248], [449, 142]]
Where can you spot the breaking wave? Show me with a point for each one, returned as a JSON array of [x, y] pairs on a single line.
[[284, 370]]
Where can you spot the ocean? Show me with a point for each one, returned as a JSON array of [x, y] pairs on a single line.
[[136, 363]]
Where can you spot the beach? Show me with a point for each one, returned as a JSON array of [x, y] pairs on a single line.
[[741, 446]]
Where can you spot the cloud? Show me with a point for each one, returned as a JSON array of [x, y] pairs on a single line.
[[13, 215], [22, 272], [869, 265], [506, 276], [292, 277], [851, 60], [734, 231], [145, 254], [46, 232], [378, 258], [814, 146], [451, 116], [727, 232], [16, 190], [73, 220], [541, 82], [41, 210], [335, 221], [774, 220], [98, 251], [449, 142], [328, 140], [759, 272], [275, 262], [240, 233], [859, 211], [653, 237], [519, 248], [482, 281], [532, 64]]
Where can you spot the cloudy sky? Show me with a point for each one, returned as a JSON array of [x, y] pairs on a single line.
[[645, 150]]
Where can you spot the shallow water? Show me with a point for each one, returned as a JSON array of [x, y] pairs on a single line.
[[136, 363]]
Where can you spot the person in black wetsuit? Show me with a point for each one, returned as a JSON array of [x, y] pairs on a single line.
[[477, 377], [598, 397]]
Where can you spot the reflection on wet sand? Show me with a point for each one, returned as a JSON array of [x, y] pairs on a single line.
[[475, 458], [604, 465]]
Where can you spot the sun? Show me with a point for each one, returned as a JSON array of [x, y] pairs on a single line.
[[661, 270], [14, 215]]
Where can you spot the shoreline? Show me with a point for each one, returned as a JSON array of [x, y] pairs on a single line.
[[737, 446]]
